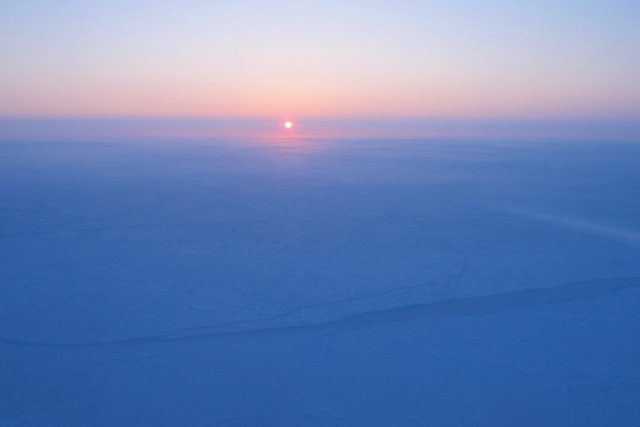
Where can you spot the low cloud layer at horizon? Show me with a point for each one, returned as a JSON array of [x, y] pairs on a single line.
[[566, 59]]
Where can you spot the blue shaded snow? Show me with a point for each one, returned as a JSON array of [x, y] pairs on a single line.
[[299, 282]]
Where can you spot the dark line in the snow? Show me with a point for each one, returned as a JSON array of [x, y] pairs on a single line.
[[465, 306]]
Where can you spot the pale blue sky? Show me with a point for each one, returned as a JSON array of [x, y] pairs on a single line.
[[563, 58]]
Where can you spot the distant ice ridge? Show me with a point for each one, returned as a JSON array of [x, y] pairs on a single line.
[[464, 306]]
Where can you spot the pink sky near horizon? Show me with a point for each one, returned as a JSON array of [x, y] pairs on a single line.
[[563, 59], [429, 97]]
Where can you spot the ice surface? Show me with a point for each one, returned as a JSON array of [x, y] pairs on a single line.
[[299, 282]]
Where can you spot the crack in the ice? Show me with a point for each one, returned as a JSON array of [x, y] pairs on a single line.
[[464, 306], [299, 310]]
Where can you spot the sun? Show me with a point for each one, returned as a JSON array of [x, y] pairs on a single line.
[[288, 125]]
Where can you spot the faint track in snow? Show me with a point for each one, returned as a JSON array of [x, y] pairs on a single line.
[[465, 306], [606, 231]]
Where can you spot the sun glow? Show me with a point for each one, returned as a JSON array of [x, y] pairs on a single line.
[[288, 125]]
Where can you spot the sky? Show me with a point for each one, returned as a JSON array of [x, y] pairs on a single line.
[[548, 59]]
